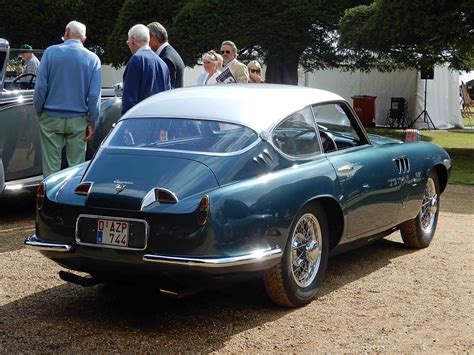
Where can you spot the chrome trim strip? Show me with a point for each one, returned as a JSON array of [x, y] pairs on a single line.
[[91, 185], [34, 243], [254, 257], [176, 200], [150, 197], [267, 154], [106, 246], [237, 152], [14, 185]]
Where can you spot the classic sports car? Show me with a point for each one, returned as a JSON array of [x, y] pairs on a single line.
[[202, 184], [20, 150]]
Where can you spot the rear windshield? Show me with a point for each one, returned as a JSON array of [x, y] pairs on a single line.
[[181, 134]]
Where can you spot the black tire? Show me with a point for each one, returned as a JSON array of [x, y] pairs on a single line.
[[417, 233], [280, 281]]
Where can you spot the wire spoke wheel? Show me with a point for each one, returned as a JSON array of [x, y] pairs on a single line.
[[306, 250], [418, 232], [429, 206], [296, 279]]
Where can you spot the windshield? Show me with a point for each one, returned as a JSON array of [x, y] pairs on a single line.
[[181, 134]]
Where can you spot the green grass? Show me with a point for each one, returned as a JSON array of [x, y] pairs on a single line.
[[469, 121], [458, 143]]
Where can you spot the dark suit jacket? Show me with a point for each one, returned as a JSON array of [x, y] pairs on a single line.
[[175, 65], [146, 74]]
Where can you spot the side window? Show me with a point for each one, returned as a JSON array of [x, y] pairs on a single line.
[[296, 135], [335, 127]]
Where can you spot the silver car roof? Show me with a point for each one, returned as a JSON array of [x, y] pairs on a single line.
[[258, 106]]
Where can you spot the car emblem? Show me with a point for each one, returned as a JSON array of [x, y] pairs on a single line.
[[121, 185]]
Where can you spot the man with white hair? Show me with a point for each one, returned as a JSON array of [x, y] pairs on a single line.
[[146, 74], [67, 98]]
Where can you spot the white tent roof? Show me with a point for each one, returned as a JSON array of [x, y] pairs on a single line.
[[466, 76]]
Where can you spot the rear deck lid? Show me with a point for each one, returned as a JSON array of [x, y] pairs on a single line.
[[121, 179]]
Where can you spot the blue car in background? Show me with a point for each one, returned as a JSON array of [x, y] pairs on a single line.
[[20, 150], [200, 185]]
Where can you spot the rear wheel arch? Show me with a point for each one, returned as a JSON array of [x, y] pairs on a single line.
[[442, 174], [2, 176], [335, 218]]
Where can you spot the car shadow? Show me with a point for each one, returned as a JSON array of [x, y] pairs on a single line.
[[16, 208], [71, 317], [17, 220]]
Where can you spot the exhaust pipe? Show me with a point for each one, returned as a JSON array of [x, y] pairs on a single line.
[[79, 280], [179, 294]]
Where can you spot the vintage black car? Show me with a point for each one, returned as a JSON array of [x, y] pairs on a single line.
[[20, 150]]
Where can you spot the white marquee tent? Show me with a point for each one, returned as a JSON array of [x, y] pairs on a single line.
[[442, 94]]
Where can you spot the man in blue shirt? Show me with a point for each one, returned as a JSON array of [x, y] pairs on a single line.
[[67, 98], [146, 73]]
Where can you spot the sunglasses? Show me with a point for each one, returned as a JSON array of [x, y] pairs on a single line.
[[225, 52], [255, 70]]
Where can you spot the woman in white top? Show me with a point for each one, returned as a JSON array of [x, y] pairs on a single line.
[[210, 62]]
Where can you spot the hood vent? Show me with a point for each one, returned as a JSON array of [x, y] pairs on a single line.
[[264, 158], [403, 165]]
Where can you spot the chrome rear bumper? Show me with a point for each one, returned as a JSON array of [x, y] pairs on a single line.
[[257, 256], [34, 243]]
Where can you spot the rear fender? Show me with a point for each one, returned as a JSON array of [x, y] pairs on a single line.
[[2, 177], [335, 216]]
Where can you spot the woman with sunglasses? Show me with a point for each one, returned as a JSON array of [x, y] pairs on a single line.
[[255, 72], [210, 62]]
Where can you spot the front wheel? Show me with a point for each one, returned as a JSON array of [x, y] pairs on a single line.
[[418, 232], [296, 280]]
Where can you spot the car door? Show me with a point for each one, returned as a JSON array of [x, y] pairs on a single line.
[[365, 173], [20, 148]]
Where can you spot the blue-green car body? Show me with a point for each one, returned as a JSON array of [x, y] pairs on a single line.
[[276, 166]]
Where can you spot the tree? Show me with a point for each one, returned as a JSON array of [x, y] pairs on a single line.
[[41, 23], [282, 34], [100, 18], [38, 23], [415, 34], [131, 13]]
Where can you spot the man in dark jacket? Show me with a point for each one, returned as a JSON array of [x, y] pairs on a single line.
[[159, 43], [146, 74]]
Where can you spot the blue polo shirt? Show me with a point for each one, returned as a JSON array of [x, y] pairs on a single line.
[[68, 82]]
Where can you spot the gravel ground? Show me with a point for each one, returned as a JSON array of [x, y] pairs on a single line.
[[381, 298]]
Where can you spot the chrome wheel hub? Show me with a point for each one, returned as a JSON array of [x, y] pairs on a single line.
[[306, 249], [429, 206]]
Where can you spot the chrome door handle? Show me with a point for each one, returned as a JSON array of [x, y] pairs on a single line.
[[346, 169]]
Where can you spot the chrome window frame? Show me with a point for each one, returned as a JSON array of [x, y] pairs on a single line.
[[258, 139], [295, 157]]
